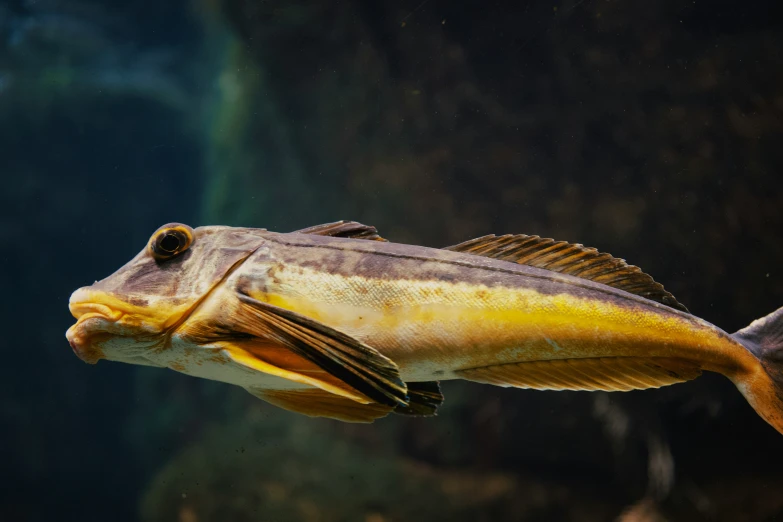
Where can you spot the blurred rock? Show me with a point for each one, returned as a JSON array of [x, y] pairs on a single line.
[[272, 466]]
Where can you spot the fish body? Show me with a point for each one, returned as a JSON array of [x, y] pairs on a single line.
[[437, 312], [351, 328]]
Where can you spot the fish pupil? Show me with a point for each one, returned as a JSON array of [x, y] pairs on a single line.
[[169, 243]]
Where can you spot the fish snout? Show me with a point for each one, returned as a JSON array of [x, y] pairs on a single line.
[[93, 322]]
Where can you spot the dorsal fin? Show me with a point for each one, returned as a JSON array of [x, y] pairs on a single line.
[[572, 259], [348, 229]]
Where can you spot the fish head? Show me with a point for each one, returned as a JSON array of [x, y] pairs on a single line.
[[132, 312]]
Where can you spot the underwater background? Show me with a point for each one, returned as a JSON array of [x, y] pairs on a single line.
[[651, 130]]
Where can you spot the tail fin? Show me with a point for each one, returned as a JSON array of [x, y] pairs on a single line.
[[764, 390]]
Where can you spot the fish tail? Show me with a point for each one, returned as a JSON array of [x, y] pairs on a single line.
[[763, 388]]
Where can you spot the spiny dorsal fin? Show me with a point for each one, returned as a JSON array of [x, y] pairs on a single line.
[[572, 259], [348, 229]]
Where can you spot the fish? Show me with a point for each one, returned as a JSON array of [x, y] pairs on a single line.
[[336, 321]]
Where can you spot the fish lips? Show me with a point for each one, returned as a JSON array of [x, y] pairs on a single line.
[[81, 339], [95, 322]]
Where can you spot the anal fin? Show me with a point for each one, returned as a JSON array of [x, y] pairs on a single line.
[[600, 373], [314, 402], [424, 398]]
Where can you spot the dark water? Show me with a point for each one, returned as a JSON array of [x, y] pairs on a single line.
[[651, 130]]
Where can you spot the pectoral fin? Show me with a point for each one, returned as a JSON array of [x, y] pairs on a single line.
[[356, 365], [319, 403], [279, 361]]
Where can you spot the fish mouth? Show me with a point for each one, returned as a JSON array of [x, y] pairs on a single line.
[[94, 322]]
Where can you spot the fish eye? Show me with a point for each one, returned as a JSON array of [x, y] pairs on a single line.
[[170, 240]]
